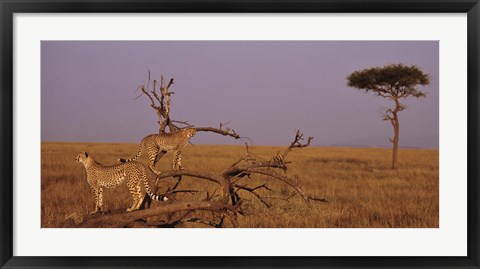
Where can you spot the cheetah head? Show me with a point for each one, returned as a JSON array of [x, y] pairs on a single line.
[[82, 157], [191, 132]]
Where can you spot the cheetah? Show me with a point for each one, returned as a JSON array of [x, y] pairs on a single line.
[[100, 176], [157, 145]]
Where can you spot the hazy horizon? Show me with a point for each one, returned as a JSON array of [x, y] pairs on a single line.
[[266, 89]]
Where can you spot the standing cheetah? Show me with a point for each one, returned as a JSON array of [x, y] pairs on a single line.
[[157, 145], [100, 176]]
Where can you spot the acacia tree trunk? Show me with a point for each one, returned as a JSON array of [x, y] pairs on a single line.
[[396, 130]]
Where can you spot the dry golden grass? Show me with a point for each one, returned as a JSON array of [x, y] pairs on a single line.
[[361, 189]]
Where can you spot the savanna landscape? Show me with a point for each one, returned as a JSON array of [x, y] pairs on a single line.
[[361, 189], [243, 172]]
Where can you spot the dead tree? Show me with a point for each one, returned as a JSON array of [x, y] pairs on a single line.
[[159, 95], [226, 202]]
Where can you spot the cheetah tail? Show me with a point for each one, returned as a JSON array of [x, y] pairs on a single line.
[[158, 197], [153, 196], [134, 158]]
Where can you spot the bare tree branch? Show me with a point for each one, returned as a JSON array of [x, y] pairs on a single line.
[[252, 191], [226, 132], [185, 123], [148, 95], [197, 174], [284, 179], [297, 144]]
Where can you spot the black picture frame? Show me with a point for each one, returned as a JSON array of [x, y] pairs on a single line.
[[9, 7]]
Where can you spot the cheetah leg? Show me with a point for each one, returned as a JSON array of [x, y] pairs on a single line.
[[153, 157], [131, 188], [100, 200], [98, 195], [177, 160], [95, 192], [138, 196], [156, 172]]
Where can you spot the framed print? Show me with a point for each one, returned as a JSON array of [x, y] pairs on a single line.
[[263, 134]]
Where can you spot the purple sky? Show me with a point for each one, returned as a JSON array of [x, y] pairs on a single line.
[[267, 89]]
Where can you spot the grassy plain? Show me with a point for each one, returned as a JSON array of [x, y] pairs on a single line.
[[362, 190]]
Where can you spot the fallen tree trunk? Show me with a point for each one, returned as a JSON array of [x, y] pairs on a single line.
[[123, 219]]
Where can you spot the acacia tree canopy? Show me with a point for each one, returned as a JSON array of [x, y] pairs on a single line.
[[391, 81]]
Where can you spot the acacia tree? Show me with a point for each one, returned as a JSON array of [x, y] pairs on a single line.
[[394, 82]]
